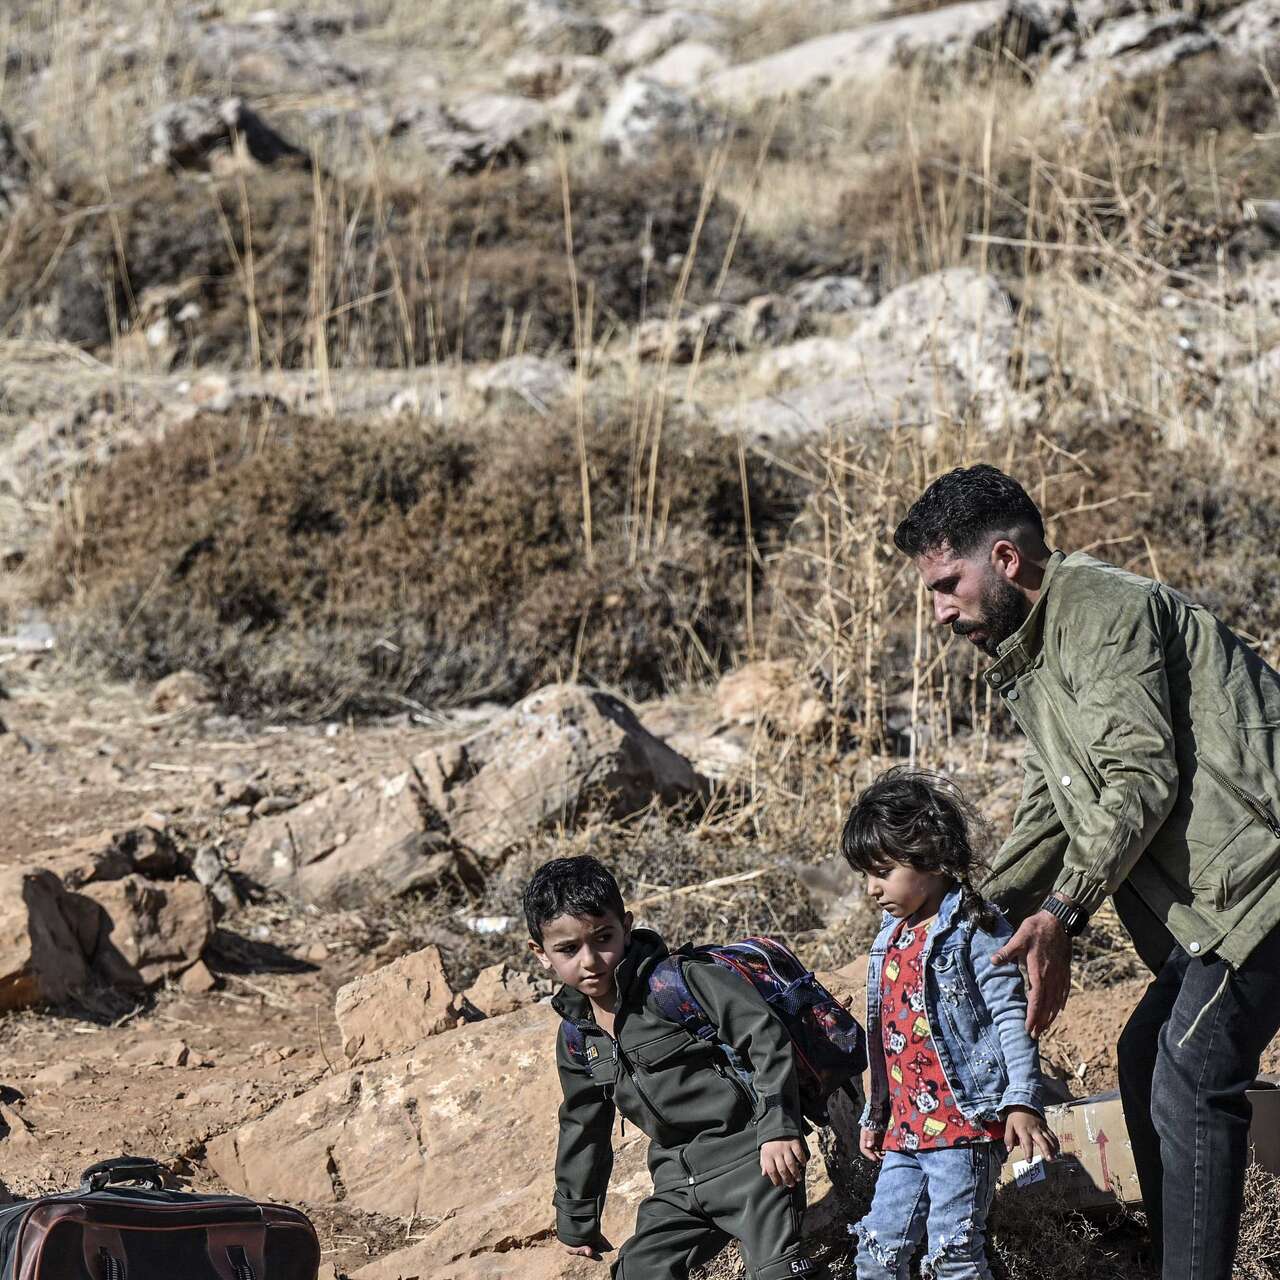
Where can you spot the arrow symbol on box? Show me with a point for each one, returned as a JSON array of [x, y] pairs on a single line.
[[1102, 1140]]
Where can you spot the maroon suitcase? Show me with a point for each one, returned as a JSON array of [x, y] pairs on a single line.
[[108, 1231]]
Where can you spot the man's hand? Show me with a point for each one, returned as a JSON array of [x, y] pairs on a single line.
[[1026, 1129], [1041, 943], [592, 1251], [871, 1144], [783, 1160]]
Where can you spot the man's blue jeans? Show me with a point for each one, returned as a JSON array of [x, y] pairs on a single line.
[[946, 1194], [1186, 1057]]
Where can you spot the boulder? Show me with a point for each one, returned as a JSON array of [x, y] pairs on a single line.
[[114, 854], [685, 338], [523, 382], [833, 295], [687, 65], [480, 132], [774, 693], [395, 1008], [765, 320], [195, 132], [462, 1131], [946, 36], [553, 27], [654, 36], [544, 75], [159, 929], [180, 691], [501, 989], [562, 752], [646, 116], [272, 57], [361, 838], [511, 123], [935, 350], [1251, 30], [41, 959]]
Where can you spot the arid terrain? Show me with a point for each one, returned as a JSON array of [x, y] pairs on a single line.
[[440, 435]]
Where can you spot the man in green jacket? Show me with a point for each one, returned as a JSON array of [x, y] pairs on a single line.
[[1152, 775]]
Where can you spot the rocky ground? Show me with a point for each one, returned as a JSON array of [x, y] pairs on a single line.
[[438, 437]]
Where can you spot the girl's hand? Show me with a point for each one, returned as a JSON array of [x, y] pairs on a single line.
[[592, 1251], [783, 1160], [871, 1144], [1026, 1129]]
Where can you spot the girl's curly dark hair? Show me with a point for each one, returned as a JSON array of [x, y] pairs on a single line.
[[919, 819]]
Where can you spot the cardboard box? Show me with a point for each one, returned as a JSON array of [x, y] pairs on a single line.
[[1095, 1167]]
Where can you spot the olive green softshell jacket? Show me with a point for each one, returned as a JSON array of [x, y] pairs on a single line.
[[701, 1118], [1152, 771]]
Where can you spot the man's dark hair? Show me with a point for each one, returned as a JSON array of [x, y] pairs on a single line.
[[963, 508], [570, 887]]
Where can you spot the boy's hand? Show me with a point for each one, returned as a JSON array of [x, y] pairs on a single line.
[[871, 1144], [1025, 1129], [592, 1251], [783, 1160]]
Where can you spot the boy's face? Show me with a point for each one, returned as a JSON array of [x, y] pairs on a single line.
[[584, 951], [904, 891]]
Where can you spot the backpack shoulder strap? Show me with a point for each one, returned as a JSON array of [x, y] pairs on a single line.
[[575, 1042], [674, 1001]]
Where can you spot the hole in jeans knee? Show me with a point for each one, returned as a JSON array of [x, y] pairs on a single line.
[[886, 1253]]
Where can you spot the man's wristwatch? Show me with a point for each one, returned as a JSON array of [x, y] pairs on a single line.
[[1073, 918]]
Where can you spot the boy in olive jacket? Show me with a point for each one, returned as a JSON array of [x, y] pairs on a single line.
[[727, 1154]]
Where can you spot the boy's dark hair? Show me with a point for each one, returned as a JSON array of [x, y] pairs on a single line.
[[570, 887], [963, 508], [918, 819]]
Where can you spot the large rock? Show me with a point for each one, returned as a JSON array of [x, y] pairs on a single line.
[[461, 1131], [273, 56], [944, 36], [195, 132], [646, 116], [655, 35], [501, 989], [356, 840], [687, 65], [159, 929], [773, 693], [477, 133], [934, 351], [543, 75], [527, 382], [396, 1007], [41, 959], [554, 27], [564, 751], [1252, 30]]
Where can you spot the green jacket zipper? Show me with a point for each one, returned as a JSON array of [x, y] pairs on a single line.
[[1261, 809]]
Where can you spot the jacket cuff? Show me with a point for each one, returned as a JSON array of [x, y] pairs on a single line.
[[1087, 892], [869, 1121], [578, 1221], [775, 1124], [1023, 1095]]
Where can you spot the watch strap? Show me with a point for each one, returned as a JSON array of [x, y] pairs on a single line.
[[1074, 919]]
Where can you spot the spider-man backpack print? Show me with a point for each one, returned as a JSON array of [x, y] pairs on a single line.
[[830, 1047]]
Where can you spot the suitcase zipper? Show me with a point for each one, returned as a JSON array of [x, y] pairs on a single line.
[[240, 1263], [112, 1267]]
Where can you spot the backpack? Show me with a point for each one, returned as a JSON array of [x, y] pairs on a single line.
[[829, 1044], [109, 1232]]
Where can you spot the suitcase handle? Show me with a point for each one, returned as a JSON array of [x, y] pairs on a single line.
[[123, 1169]]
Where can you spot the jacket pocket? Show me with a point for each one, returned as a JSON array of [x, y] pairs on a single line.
[[661, 1050], [1250, 852]]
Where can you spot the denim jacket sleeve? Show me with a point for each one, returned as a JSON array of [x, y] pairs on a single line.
[[1002, 991]]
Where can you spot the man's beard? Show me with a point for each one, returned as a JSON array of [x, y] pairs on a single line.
[[1003, 609]]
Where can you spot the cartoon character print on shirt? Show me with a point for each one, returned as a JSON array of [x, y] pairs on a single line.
[[924, 1114]]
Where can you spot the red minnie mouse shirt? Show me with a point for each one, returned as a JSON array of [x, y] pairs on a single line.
[[923, 1114]]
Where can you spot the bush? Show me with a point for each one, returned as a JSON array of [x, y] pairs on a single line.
[[335, 566]]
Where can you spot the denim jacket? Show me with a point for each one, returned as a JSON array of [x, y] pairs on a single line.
[[977, 1013]]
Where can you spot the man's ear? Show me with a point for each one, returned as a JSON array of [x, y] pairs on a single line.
[[1006, 559], [540, 953], [628, 923]]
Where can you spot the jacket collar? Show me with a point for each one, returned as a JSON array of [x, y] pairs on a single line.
[[1019, 651], [947, 909], [632, 975]]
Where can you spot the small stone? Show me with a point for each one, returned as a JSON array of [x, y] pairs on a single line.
[[270, 805], [179, 692], [316, 953], [198, 980], [239, 815], [177, 1055], [20, 1129], [155, 821], [60, 1074]]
